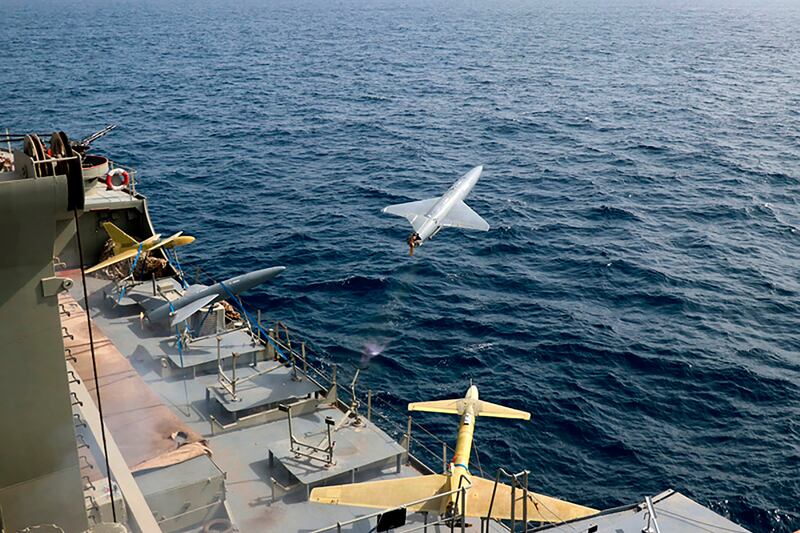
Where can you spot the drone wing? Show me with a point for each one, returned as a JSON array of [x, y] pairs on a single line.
[[414, 212], [388, 494], [113, 260], [464, 217]]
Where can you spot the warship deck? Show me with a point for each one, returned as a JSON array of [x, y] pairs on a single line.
[[266, 484]]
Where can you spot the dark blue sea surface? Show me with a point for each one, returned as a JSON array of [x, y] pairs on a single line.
[[638, 291]]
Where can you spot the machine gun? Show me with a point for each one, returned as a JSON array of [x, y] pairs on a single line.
[[84, 144]]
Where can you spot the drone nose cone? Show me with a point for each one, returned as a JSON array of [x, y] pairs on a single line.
[[472, 176], [475, 172], [269, 273], [472, 392]]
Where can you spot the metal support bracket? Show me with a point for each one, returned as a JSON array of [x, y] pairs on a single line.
[[53, 285], [297, 447]]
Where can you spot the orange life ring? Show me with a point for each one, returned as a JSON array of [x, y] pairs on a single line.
[[110, 181]]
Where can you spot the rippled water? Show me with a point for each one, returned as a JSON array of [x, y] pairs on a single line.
[[638, 291]]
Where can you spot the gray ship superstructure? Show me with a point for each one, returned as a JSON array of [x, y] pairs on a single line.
[[139, 401]]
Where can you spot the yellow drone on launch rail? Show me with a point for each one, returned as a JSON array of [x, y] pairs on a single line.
[[395, 493], [126, 247]]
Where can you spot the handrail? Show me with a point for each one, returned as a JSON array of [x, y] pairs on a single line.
[[315, 370], [306, 362], [278, 326], [338, 526], [132, 174], [289, 355], [651, 511], [525, 493]]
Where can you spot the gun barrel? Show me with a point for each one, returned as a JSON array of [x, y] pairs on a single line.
[[96, 135]]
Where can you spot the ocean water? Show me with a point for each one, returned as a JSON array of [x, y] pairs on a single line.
[[638, 291]]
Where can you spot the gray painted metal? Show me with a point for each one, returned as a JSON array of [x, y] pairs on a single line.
[[355, 448], [39, 470], [271, 383], [675, 512], [203, 351], [184, 494], [429, 216]]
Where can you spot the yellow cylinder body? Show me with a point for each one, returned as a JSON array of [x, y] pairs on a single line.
[[460, 468], [464, 440]]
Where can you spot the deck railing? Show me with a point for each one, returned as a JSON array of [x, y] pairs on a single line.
[[419, 454], [279, 339]]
